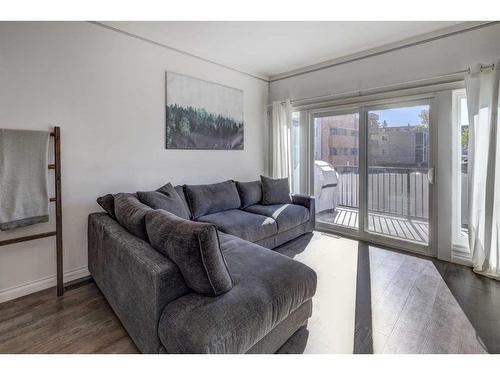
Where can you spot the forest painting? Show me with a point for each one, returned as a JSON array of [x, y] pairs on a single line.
[[202, 115]]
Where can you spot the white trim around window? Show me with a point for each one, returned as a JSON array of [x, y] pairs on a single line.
[[460, 242]]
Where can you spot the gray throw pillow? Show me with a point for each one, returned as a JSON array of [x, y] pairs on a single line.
[[165, 198], [211, 198], [107, 202], [130, 212], [194, 247], [275, 190], [250, 193]]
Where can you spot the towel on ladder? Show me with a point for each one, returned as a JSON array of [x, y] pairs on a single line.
[[23, 178]]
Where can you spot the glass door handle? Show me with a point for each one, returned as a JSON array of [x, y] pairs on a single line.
[[430, 175]]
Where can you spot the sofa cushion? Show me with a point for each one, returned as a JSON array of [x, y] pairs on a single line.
[[130, 213], [246, 225], [194, 248], [107, 202], [275, 190], [250, 192], [287, 216], [165, 198], [267, 288], [208, 199], [180, 191]]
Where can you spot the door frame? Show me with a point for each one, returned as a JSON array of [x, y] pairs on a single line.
[[362, 108]]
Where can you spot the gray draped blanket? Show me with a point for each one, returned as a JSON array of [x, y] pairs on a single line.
[[23, 178]]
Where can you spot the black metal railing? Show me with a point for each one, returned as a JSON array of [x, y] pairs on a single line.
[[394, 190]]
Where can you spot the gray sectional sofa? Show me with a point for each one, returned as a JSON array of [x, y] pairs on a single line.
[[266, 299]]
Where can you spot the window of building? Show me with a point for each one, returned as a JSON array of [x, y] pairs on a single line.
[[342, 131], [333, 151]]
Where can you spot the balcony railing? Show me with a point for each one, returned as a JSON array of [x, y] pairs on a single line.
[[392, 190]]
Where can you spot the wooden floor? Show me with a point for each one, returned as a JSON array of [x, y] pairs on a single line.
[[79, 322], [403, 304], [388, 225], [409, 304]]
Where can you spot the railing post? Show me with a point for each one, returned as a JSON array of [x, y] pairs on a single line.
[[408, 203]]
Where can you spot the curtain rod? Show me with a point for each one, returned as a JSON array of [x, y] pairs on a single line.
[[361, 92], [486, 67]]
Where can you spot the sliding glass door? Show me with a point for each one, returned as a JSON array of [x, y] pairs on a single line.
[[398, 165], [371, 172], [336, 169]]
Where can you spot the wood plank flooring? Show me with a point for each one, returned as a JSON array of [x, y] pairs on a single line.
[[403, 304], [79, 322], [409, 304]]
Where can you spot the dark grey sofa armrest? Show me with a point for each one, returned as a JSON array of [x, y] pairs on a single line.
[[309, 203], [138, 281]]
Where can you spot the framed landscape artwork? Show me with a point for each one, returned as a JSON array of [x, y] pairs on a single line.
[[202, 115]]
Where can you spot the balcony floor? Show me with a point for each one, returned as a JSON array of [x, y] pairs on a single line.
[[384, 224]]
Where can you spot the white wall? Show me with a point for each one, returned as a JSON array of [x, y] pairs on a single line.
[[442, 56], [106, 91]]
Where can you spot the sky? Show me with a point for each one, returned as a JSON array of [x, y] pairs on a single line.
[[401, 116]]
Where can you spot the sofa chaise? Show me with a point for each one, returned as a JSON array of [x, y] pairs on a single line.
[[269, 296]]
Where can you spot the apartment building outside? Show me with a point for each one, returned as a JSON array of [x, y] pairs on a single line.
[[337, 142]]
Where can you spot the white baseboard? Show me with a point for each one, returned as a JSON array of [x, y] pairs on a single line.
[[461, 257], [41, 284]]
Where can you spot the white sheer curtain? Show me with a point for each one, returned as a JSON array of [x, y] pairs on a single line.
[[281, 127], [484, 162]]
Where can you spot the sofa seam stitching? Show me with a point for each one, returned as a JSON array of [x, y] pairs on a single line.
[[222, 255], [274, 235], [204, 266]]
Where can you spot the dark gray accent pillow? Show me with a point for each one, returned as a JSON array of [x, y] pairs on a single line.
[[250, 193], [207, 199], [194, 247], [165, 198], [107, 202], [275, 190], [130, 213]]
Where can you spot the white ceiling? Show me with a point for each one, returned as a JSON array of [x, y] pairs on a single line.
[[266, 49]]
